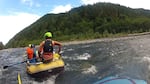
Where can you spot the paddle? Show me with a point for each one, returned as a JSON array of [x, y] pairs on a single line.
[[19, 79], [20, 63], [17, 63], [14, 64]]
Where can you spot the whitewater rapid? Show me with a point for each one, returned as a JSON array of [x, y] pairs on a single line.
[[87, 62]]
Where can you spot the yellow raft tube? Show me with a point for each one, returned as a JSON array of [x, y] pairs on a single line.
[[39, 67]]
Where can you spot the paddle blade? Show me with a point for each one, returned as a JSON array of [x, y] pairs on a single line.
[[5, 67]]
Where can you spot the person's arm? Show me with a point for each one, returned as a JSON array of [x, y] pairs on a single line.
[[40, 48], [59, 46]]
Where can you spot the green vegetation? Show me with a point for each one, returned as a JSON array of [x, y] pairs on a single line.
[[85, 22], [1, 46]]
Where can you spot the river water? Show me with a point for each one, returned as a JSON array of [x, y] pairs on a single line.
[[87, 62]]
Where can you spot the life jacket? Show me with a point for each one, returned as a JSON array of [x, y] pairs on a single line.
[[48, 50], [29, 53], [48, 47]]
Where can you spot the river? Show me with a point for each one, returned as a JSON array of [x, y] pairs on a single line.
[[87, 62]]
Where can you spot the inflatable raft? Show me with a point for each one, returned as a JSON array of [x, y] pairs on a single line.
[[120, 80], [56, 65]]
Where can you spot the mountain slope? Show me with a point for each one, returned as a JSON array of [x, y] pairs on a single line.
[[85, 22]]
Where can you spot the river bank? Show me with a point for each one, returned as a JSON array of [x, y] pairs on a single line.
[[129, 36]]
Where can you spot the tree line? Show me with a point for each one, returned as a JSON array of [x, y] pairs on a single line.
[[85, 22]]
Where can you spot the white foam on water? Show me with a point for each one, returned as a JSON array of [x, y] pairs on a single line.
[[90, 70], [147, 60], [119, 66], [71, 49], [1, 72], [85, 46], [68, 67], [84, 56]]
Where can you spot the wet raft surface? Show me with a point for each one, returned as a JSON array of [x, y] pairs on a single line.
[[87, 62]]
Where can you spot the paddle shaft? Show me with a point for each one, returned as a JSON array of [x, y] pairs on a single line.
[[14, 64], [19, 79]]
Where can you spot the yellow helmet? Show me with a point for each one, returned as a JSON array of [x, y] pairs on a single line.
[[48, 34], [30, 45]]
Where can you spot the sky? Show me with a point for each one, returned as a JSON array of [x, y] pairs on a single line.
[[15, 15]]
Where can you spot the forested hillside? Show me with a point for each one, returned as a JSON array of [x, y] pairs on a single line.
[[1, 46], [85, 22]]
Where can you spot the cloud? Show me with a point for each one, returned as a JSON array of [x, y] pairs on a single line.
[[30, 3], [13, 24], [27, 2], [61, 9]]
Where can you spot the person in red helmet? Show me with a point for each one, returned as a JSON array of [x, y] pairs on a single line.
[[46, 47]]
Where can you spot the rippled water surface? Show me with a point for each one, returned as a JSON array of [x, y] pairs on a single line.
[[86, 63]]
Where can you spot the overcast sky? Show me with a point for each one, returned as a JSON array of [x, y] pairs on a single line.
[[15, 15]]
